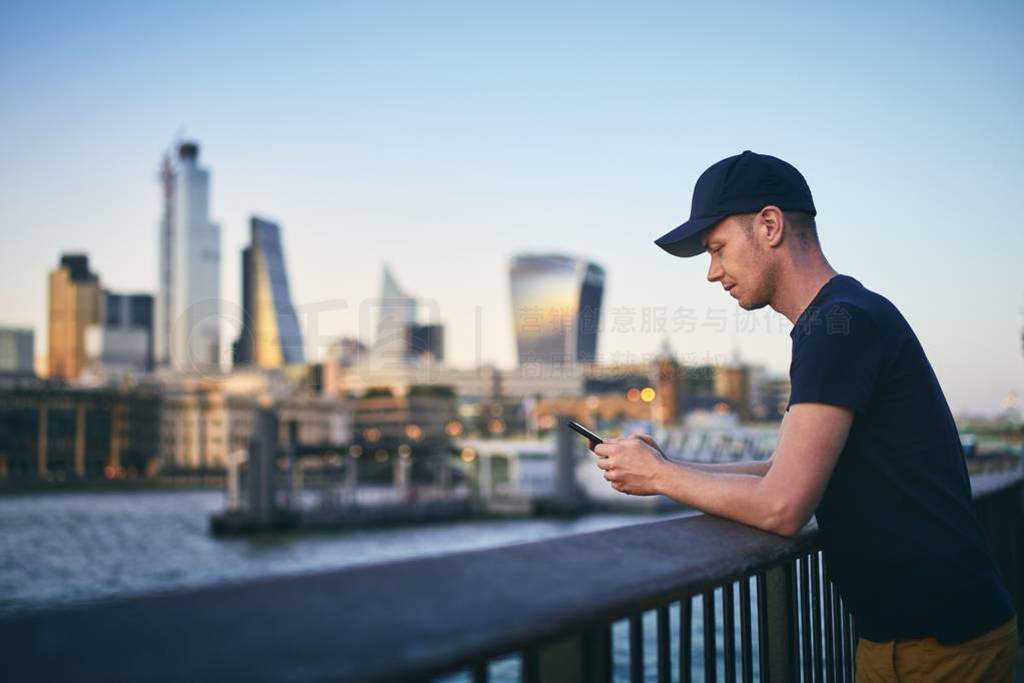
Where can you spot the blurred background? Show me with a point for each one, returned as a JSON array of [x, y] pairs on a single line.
[[278, 267]]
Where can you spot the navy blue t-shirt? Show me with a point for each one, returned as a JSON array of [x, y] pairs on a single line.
[[897, 522]]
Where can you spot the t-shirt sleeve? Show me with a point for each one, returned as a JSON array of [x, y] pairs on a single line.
[[837, 360]]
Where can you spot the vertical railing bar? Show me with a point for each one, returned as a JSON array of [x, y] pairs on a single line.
[[845, 642], [664, 654], [710, 645], [636, 648], [837, 622], [746, 652], [830, 659], [762, 625], [529, 666], [852, 635], [794, 591], [480, 672], [685, 640], [816, 615], [805, 617], [729, 632], [597, 665]]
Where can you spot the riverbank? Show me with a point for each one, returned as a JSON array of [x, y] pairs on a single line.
[[210, 483]]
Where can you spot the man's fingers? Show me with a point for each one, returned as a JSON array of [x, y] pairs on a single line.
[[646, 438], [604, 449]]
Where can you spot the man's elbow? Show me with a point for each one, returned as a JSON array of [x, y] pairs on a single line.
[[787, 529], [784, 520]]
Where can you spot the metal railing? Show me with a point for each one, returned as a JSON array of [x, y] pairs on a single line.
[[637, 603]]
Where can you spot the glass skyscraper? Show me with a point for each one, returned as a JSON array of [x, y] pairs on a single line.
[[556, 305], [270, 336], [188, 293], [396, 312]]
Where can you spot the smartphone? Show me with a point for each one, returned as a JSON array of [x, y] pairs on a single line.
[[583, 431]]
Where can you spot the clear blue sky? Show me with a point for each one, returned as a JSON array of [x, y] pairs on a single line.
[[444, 137]]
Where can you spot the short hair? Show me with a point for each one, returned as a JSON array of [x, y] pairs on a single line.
[[801, 223]]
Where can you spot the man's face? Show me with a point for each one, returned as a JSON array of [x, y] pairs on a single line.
[[740, 263]]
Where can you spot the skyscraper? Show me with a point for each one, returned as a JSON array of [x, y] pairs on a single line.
[[556, 306], [270, 336], [396, 313], [188, 294], [76, 302]]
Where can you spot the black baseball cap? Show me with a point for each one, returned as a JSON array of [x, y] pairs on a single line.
[[744, 183]]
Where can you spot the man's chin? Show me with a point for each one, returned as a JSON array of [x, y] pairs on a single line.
[[747, 306]]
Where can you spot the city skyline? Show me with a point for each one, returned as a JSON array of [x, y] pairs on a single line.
[[388, 145]]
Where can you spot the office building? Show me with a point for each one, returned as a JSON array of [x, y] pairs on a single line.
[[556, 305], [17, 351], [270, 335], [123, 343], [396, 311], [187, 326], [75, 302]]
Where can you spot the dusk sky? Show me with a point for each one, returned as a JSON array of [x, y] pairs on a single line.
[[442, 138]]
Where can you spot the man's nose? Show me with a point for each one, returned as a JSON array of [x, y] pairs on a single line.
[[714, 271]]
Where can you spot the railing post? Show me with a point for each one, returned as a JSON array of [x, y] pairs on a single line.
[[780, 621], [565, 660], [597, 654]]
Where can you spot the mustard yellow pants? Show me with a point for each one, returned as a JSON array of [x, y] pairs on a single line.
[[989, 658]]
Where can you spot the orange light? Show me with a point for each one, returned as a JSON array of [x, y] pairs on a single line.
[[633, 395]]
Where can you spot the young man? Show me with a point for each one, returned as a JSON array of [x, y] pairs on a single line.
[[868, 444]]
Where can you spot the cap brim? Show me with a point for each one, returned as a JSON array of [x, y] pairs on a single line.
[[685, 240]]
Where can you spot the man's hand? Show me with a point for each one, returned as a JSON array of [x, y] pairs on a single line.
[[633, 465]]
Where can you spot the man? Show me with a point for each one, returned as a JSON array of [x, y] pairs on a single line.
[[868, 444]]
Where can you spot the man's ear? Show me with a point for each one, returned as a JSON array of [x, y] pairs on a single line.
[[770, 223]]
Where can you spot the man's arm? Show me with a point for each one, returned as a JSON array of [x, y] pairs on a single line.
[[781, 501], [758, 468]]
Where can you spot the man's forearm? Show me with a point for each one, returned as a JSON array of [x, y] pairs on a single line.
[[736, 496], [758, 468]]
